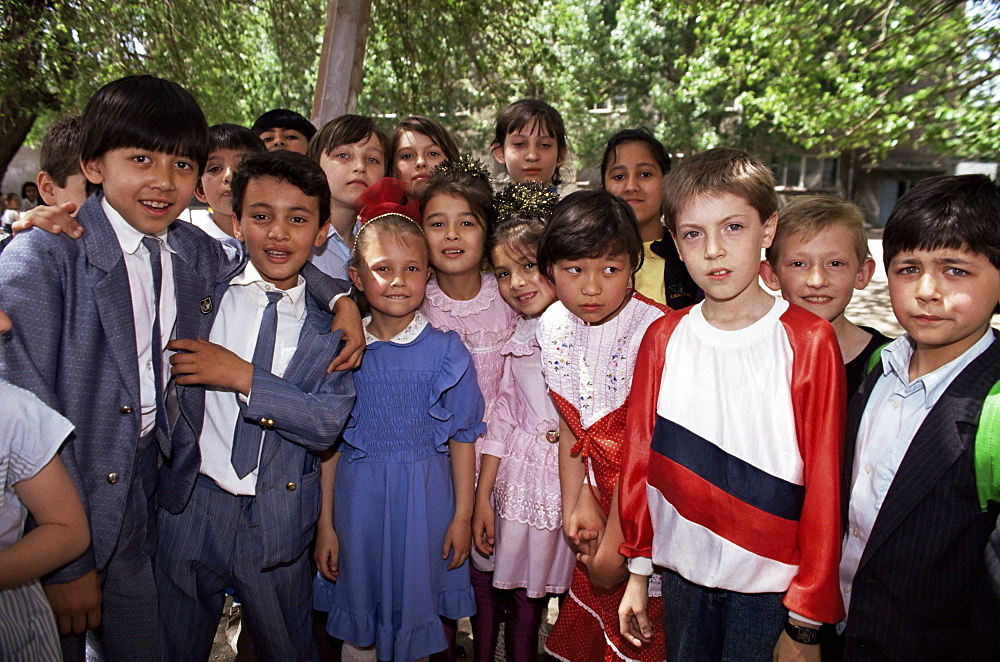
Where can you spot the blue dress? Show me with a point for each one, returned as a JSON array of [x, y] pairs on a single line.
[[395, 498]]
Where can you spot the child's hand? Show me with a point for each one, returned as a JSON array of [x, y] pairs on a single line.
[[483, 519], [76, 604], [458, 538], [327, 552], [632, 618], [207, 364], [51, 219], [347, 318], [585, 527]]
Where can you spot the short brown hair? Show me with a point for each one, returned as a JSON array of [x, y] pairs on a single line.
[[424, 126], [346, 130], [718, 171], [60, 156], [808, 215]]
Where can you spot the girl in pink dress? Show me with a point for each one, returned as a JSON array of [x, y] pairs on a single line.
[[518, 514], [457, 216], [589, 340]]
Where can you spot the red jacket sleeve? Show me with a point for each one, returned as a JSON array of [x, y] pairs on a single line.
[[819, 403], [633, 508]]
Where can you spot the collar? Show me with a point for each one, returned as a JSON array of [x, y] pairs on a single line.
[[128, 237], [407, 335], [331, 232], [896, 361], [257, 288]]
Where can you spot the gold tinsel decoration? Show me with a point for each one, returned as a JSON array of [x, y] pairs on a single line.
[[530, 198]]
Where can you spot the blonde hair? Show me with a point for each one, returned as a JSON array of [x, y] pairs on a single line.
[[808, 215]]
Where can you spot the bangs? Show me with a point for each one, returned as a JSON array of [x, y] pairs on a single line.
[[146, 113]]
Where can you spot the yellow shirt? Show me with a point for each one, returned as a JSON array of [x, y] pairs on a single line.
[[649, 279]]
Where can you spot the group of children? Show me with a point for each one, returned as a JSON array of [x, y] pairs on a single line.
[[590, 397]]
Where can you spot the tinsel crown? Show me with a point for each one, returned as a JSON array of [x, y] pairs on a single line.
[[530, 198], [468, 165]]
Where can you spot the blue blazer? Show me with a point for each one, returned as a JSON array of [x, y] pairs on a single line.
[[923, 589], [304, 411], [73, 345]]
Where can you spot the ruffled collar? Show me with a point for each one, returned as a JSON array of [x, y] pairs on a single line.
[[407, 335], [523, 342], [488, 291]]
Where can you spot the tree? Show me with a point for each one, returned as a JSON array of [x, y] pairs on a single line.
[[238, 59]]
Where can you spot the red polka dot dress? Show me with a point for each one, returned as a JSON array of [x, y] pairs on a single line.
[[588, 370]]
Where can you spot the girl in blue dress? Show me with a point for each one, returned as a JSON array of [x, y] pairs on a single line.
[[394, 531]]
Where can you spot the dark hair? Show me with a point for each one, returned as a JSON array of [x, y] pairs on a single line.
[[590, 224], [474, 187], [528, 113], [522, 211], [60, 156], [144, 112], [234, 137], [292, 167], [424, 126], [718, 171], [346, 130], [956, 212], [282, 118], [642, 135]]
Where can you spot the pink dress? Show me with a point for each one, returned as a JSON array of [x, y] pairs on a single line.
[[530, 550], [484, 323]]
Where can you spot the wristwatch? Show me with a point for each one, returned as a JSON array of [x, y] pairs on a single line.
[[808, 636]]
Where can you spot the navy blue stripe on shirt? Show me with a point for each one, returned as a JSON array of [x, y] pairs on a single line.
[[734, 476]]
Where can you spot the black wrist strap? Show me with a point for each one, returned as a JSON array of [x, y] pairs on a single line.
[[808, 636]]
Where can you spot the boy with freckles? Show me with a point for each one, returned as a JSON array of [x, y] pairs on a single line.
[[731, 468]]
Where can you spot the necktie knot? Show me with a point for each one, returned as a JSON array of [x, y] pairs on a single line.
[[273, 297]]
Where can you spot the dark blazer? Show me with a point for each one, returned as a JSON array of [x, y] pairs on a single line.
[[73, 345], [923, 590], [304, 413]]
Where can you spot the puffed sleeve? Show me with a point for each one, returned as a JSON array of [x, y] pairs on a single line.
[[458, 403]]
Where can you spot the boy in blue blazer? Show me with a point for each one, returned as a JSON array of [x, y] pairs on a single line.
[[91, 321], [247, 522]]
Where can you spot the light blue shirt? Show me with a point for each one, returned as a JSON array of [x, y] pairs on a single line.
[[895, 411], [331, 258]]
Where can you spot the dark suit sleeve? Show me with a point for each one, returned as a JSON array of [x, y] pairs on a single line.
[[323, 286], [31, 293], [310, 419], [993, 561]]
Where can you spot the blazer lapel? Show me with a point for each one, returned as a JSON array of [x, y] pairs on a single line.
[[936, 446], [314, 347], [112, 294]]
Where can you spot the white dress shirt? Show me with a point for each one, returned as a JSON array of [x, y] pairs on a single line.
[[140, 281], [235, 328], [895, 411]]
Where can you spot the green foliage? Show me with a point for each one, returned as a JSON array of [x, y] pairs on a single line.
[[774, 77]]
